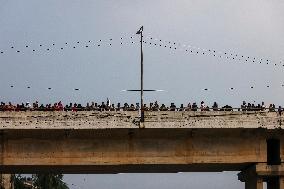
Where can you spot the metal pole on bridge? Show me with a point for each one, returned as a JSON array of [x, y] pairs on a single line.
[[140, 31]]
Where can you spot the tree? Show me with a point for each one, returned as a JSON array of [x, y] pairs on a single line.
[[49, 181], [40, 181], [20, 182]]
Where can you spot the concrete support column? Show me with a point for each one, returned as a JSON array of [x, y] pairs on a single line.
[[281, 182], [6, 181], [254, 183], [273, 183]]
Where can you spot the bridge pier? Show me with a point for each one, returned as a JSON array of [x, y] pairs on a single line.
[[256, 175], [281, 182], [6, 181], [251, 180], [254, 183], [273, 183]]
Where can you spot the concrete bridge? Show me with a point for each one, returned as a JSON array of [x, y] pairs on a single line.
[[168, 142]]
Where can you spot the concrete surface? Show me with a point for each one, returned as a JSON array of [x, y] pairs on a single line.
[[112, 142], [103, 120]]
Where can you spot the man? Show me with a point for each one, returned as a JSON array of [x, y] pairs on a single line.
[[163, 108], [173, 107], [181, 108], [188, 108], [280, 110], [263, 107], [118, 107], [194, 107], [103, 106], [215, 106], [156, 106], [108, 103], [137, 107], [244, 106], [28, 106], [202, 106]]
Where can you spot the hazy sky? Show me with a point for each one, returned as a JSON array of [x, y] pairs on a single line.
[[156, 181], [251, 28]]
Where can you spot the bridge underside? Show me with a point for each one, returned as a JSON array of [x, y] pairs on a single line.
[[115, 169], [133, 150]]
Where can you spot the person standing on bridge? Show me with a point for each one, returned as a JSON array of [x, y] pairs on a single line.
[[188, 108], [194, 107], [244, 106], [28, 106], [280, 110], [202, 106], [108, 103], [173, 107], [137, 107], [263, 107], [215, 106]]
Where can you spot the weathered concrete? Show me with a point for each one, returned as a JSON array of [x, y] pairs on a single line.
[[281, 180], [149, 149], [6, 181], [262, 169], [273, 175], [112, 120], [254, 183], [112, 142]]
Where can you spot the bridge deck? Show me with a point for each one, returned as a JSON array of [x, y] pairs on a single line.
[[110, 142]]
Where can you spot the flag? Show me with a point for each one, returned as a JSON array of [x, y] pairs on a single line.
[[140, 30]]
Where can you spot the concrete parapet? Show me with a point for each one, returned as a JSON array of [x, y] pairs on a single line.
[[128, 119]]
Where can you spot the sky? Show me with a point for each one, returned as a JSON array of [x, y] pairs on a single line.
[[164, 181], [249, 28]]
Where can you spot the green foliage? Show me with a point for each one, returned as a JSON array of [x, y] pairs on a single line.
[[40, 181], [19, 181], [49, 181]]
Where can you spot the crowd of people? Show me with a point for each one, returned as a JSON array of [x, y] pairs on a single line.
[[107, 106]]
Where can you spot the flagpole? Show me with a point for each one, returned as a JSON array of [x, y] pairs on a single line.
[[142, 90]]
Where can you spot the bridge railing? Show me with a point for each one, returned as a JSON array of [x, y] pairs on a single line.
[[198, 109]]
